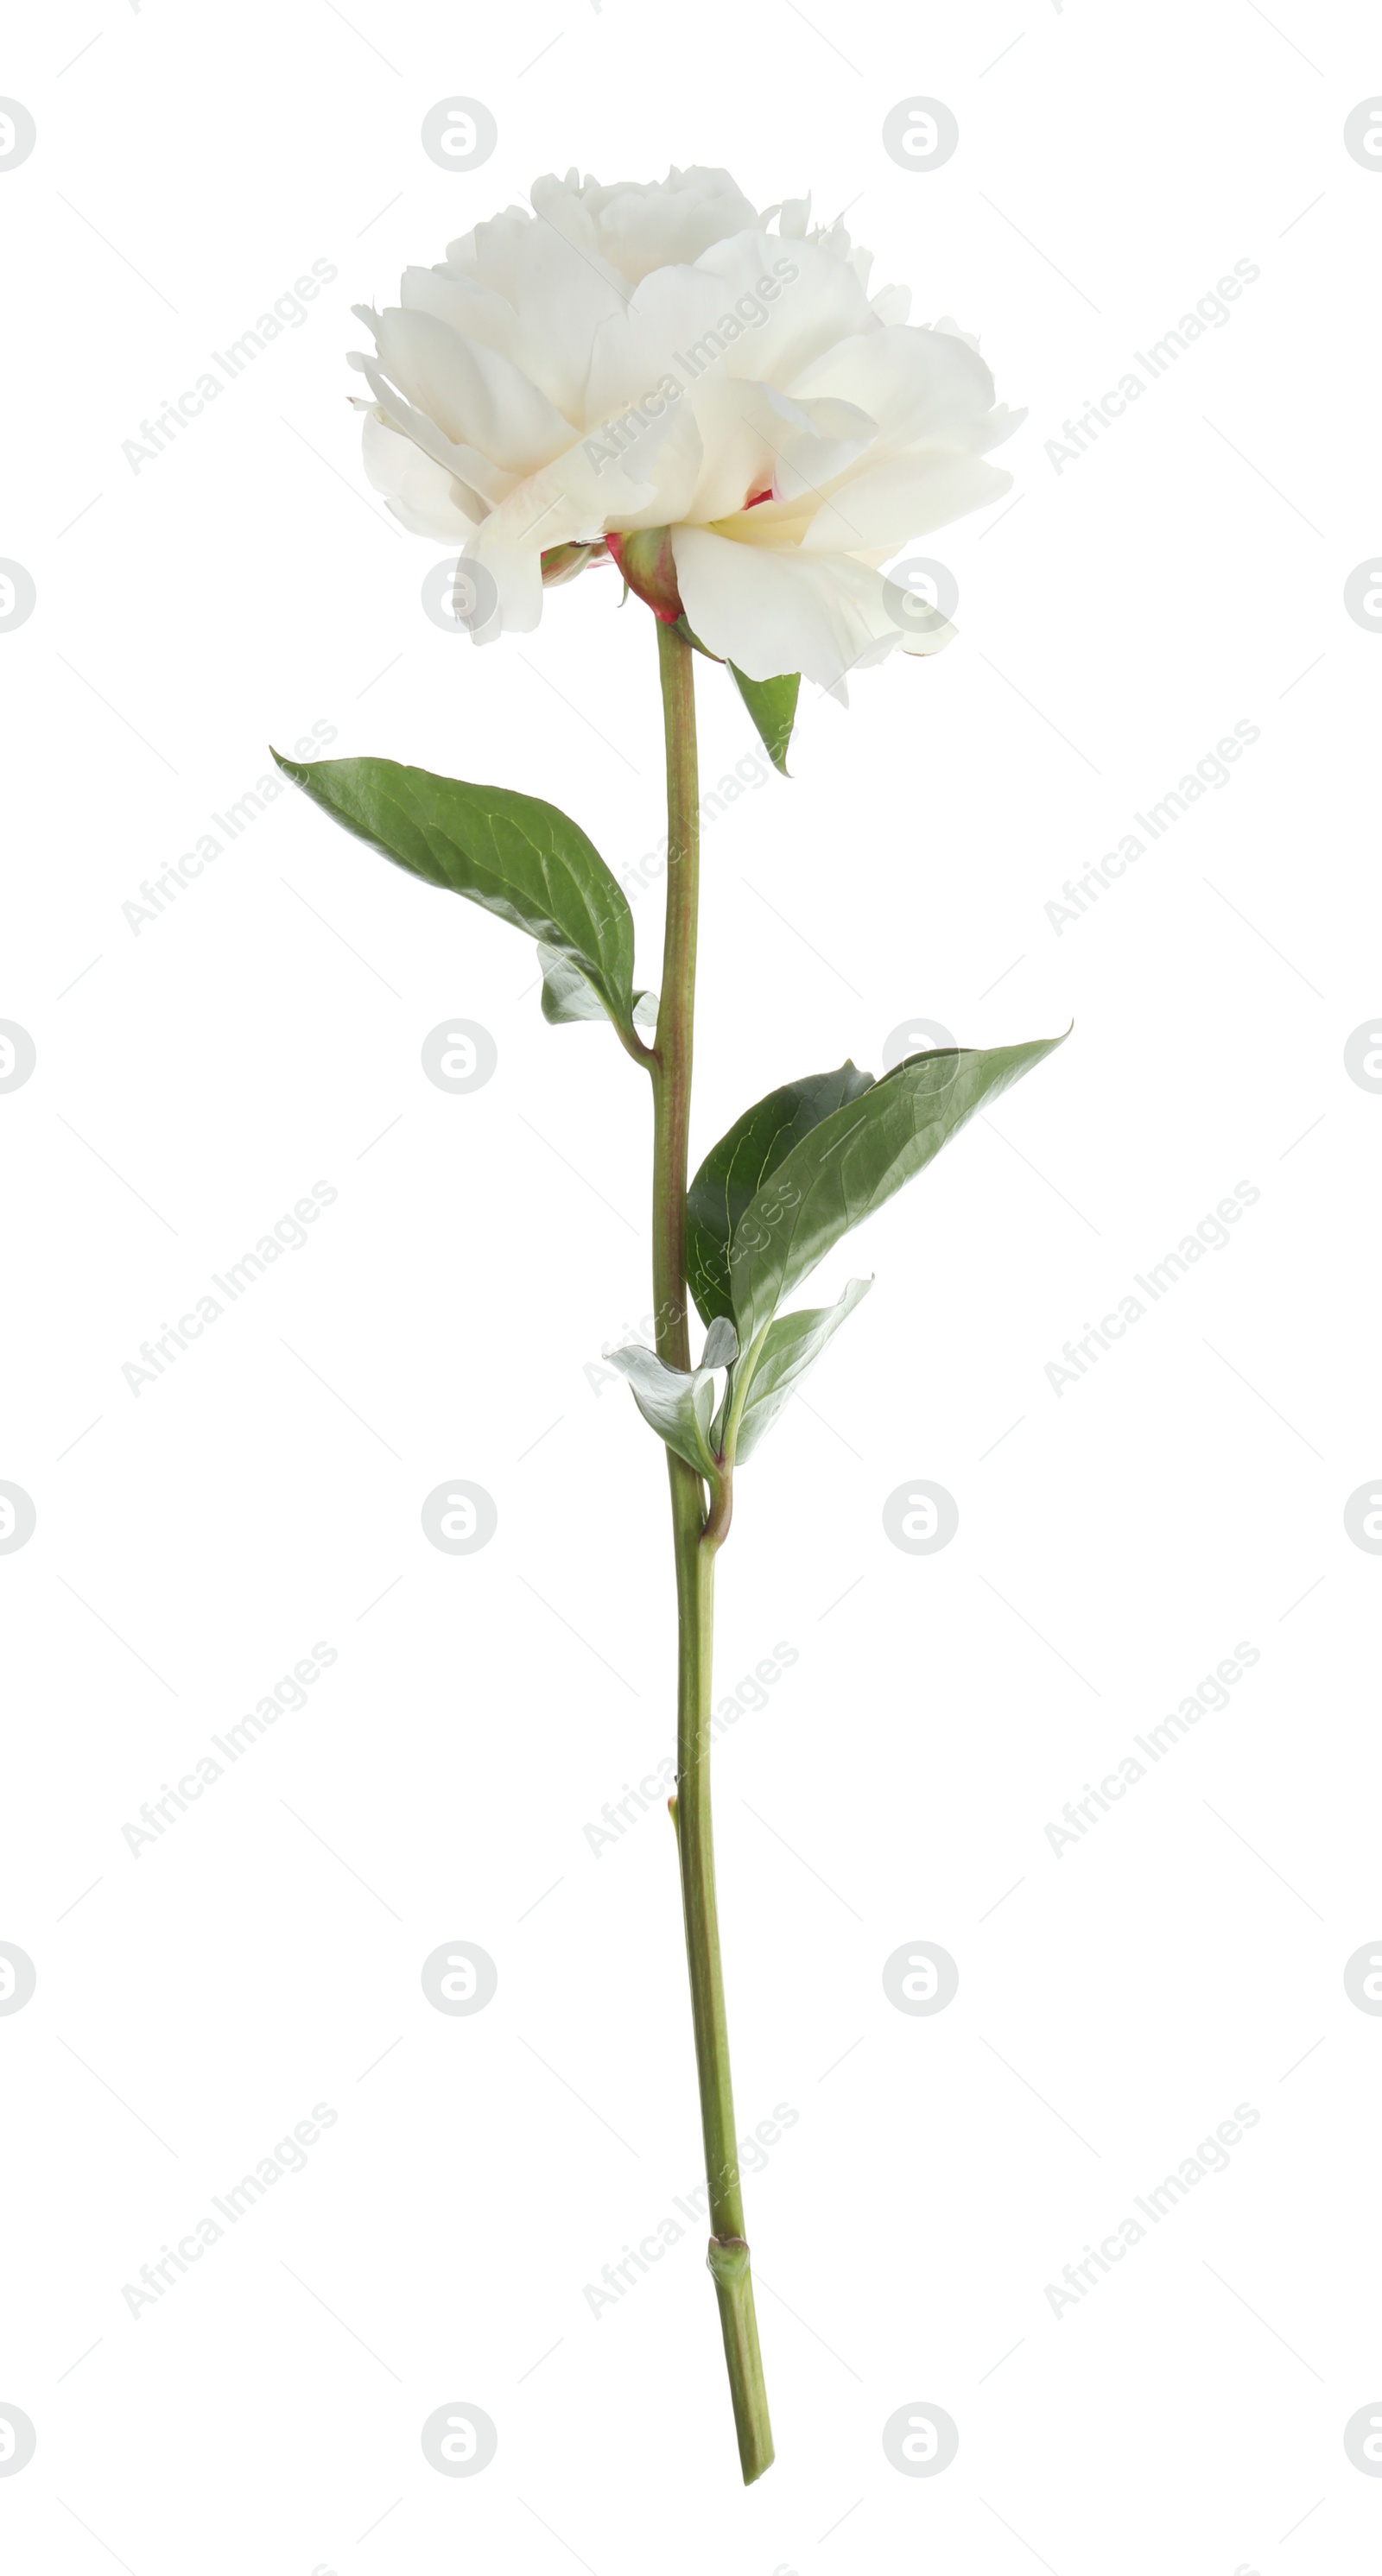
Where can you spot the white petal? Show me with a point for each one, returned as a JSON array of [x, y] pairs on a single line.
[[877, 510], [466, 463], [824, 302], [477, 397], [664, 466], [666, 331], [640, 227], [560, 292], [473, 310], [421, 493], [742, 439], [917, 383], [818, 614], [818, 441], [517, 575]]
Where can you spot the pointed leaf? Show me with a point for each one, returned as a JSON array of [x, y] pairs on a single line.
[[852, 1162], [738, 1166], [773, 707], [678, 1402], [791, 1347], [519, 857]]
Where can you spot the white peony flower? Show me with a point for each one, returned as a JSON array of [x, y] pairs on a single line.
[[653, 358]]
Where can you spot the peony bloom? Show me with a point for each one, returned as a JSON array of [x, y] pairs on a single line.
[[654, 358]]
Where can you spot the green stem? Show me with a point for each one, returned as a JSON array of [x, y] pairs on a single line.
[[696, 1545]]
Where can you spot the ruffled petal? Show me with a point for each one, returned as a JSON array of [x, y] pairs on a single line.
[[822, 615], [477, 397], [918, 383], [477, 313], [428, 500], [466, 463], [878, 510], [638, 227], [821, 303], [561, 291]]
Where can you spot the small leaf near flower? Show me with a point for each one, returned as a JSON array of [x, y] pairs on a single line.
[[773, 707]]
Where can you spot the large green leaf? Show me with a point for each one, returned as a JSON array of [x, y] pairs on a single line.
[[852, 1161], [791, 1346], [773, 707], [678, 1403], [739, 1165], [517, 856]]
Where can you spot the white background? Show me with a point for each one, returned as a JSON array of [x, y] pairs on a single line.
[[1116, 1540]]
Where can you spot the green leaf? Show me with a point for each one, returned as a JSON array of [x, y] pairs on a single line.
[[773, 707], [791, 1347], [567, 994], [520, 858], [851, 1162], [679, 1402], [739, 1165]]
